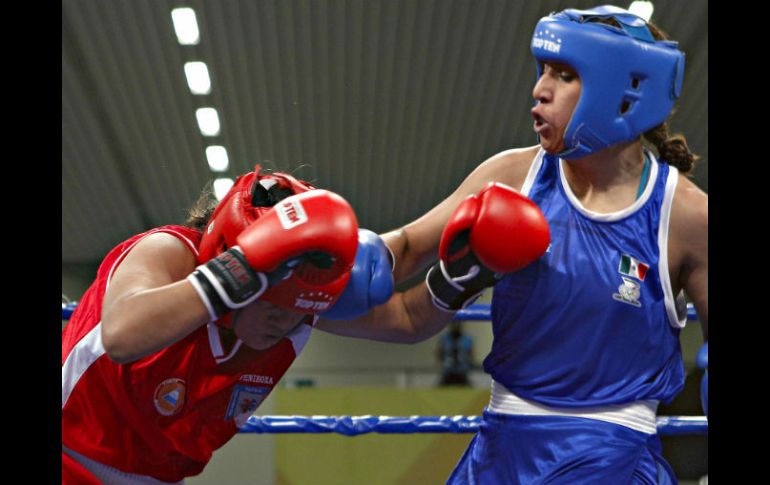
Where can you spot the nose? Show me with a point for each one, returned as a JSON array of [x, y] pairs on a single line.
[[542, 91]]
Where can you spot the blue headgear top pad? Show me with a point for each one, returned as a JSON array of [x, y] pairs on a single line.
[[630, 81]]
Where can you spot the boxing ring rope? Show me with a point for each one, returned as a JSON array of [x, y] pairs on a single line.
[[473, 312], [482, 311], [356, 425], [67, 309]]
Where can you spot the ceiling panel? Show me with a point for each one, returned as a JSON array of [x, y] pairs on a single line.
[[391, 103]]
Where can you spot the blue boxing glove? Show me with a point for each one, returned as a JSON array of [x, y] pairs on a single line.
[[702, 361], [371, 280], [704, 393]]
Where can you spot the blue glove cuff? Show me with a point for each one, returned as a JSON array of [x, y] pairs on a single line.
[[371, 280]]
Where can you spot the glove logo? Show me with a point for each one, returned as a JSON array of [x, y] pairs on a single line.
[[169, 396], [291, 214]]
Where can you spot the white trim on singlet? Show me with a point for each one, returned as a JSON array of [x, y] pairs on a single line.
[[611, 216], [300, 335], [80, 358], [534, 168], [639, 415], [676, 320], [215, 344], [113, 476]]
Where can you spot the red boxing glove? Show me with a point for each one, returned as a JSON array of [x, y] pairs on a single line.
[[495, 232], [316, 232], [298, 255], [507, 230]]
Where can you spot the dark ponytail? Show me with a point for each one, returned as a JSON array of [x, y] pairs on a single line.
[[672, 149]]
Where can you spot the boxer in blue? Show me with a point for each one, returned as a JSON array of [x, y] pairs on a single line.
[[590, 240]]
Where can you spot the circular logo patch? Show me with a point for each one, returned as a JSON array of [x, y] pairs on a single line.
[[169, 396]]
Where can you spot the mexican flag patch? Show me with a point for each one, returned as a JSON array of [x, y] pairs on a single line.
[[633, 267]]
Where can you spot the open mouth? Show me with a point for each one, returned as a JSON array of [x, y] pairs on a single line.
[[539, 122]]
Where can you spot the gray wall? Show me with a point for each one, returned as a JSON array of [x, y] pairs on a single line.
[[75, 279]]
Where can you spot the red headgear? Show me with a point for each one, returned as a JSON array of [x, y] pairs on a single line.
[[251, 196]]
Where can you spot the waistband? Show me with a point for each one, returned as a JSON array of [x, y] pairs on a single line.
[[113, 476], [639, 415]]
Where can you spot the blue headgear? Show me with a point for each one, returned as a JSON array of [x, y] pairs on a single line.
[[630, 81]]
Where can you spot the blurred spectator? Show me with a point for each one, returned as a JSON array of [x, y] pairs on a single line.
[[455, 352]]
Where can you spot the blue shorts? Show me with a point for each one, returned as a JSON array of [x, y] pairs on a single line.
[[517, 449]]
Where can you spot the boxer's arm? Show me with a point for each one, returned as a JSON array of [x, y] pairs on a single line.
[[415, 245], [696, 288], [148, 304], [407, 317], [689, 232], [695, 271], [479, 223], [694, 274]]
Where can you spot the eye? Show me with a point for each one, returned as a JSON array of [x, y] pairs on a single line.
[[559, 71], [567, 76]]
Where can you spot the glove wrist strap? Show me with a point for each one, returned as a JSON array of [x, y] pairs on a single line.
[[445, 293], [227, 282], [454, 293]]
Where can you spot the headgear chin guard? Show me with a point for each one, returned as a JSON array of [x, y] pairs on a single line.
[[630, 81], [251, 196]]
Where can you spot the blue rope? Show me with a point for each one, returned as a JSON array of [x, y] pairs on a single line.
[[356, 425], [478, 311], [483, 311], [67, 309]]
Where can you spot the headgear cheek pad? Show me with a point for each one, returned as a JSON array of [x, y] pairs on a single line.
[[630, 81]]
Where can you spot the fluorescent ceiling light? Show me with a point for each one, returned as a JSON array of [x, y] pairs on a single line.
[[208, 121], [197, 77], [642, 9], [217, 157], [185, 26], [221, 187]]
